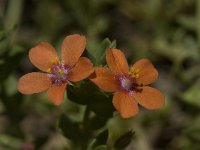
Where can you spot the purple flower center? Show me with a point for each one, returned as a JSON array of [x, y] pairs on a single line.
[[128, 83], [58, 73]]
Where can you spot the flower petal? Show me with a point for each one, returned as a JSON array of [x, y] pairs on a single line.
[[72, 48], [56, 93], [117, 61], [150, 98], [125, 104], [147, 72], [103, 72], [41, 55], [105, 80], [34, 82], [82, 70]]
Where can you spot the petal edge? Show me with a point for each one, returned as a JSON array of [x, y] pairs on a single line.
[[105, 80], [150, 98], [116, 61], [41, 55], [148, 73], [56, 94], [34, 82], [125, 104], [81, 70], [72, 48]]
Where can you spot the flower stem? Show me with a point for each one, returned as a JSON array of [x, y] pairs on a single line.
[[86, 116]]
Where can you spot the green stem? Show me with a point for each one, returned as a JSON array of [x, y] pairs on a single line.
[[86, 116], [85, 123]]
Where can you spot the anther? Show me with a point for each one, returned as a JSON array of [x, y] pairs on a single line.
[[58, 72]]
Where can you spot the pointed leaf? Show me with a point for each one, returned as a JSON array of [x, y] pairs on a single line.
[[123, 141], [88, 94], [71, 129], [100, 140]]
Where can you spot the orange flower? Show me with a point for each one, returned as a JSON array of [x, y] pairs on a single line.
[[56, 74], [129, 85]]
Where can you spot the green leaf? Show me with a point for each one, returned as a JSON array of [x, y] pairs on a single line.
[[183, 47], [191, 73], [188, 22], [123, 141], [77, 93], [102, 105], [10, 102], [72, 129], [192, 95], [4, 41], [6, 140], [88, 94], [97, 54], [100, 140], [104, 47], [9, 64], [193, 130], [11, 84], [96, 123], [101, 147]]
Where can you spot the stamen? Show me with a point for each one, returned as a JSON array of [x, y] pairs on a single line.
[[137, 70], [134, 72], [58, 73], [49, 70], [128, 82], [54, 60]]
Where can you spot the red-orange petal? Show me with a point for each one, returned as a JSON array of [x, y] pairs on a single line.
[[72, 48], [117, 61], [82, 70], [34, 82], [42, 55], [105, 80], [103, 72], [125, 104], [147, 72], [56, 93], [150, 98]]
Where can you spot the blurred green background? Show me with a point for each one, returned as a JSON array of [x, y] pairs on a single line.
[[165, 31]]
